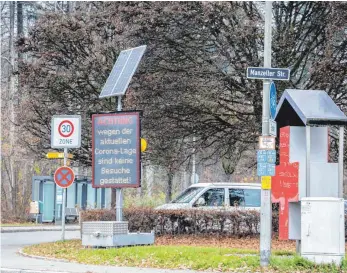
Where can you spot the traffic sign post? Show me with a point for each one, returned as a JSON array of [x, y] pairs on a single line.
[[266, 209], [269, 127], [65, 133], [64, 178]]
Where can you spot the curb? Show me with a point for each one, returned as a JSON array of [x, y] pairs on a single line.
[[20, 252], [36, 229], [18, 270]]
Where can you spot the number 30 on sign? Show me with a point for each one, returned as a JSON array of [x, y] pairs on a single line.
[[66, 131]]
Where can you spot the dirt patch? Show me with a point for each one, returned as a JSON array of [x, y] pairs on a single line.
[[222, 241]]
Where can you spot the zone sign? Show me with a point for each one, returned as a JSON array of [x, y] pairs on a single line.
[[66, 131]]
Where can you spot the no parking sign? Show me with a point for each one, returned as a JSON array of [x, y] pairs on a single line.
[[64, 177], [66, 131]]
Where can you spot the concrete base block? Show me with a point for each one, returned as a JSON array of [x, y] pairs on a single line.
[[324, 258], [118, 240]]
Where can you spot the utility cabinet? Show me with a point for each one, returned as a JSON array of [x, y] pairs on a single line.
[[322, 232], [308, 182]]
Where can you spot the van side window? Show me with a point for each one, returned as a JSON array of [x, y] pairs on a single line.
[[236, 197], [244, 197], [212, 198]]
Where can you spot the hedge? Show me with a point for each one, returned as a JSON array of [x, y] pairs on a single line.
[[197, 222], [163, 222]]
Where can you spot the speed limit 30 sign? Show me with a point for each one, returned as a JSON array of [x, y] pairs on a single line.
[[66, 131]]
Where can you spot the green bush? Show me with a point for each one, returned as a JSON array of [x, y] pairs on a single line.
[[238, 223]]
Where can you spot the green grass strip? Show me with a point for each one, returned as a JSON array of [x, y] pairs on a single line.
[[179, 257]]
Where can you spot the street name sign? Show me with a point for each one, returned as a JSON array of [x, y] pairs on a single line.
[[116, 150], [66, 131], [267, 143], [262, 73]]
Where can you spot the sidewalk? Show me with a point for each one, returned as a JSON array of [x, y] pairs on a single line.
[[38, 228]]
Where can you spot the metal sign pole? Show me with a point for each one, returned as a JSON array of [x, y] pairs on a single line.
[[119, 192], [193, 168], [266, 209], [341, 139], [308, 161], [64, 203]]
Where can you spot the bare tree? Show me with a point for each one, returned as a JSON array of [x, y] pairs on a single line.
[[192, 80], [17, 166]]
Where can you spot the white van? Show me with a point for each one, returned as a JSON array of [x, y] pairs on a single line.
[[218, 196]]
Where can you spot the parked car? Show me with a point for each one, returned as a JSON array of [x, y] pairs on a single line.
[[218, 196]]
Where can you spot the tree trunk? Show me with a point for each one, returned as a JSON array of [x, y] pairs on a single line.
[[20, 34], [11, 106], [169, 187], [19, 18], [113, 199], [70, 6], [149, 179]]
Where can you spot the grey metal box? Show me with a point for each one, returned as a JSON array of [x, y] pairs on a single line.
[[112, 234], [130, 239], [104, 228]]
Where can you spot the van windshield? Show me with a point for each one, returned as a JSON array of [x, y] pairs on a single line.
[[187, 195]]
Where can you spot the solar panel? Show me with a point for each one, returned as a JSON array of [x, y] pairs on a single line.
[[122, 72]]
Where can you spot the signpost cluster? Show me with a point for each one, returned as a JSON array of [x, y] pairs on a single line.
[[65, 134], [116, 153], [266, 155]]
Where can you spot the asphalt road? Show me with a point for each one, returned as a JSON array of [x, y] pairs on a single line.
[[11, 261]]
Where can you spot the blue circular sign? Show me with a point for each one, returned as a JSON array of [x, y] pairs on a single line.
[[273, 100]]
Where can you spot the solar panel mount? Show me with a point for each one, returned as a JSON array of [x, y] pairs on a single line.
[[122, 72]]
